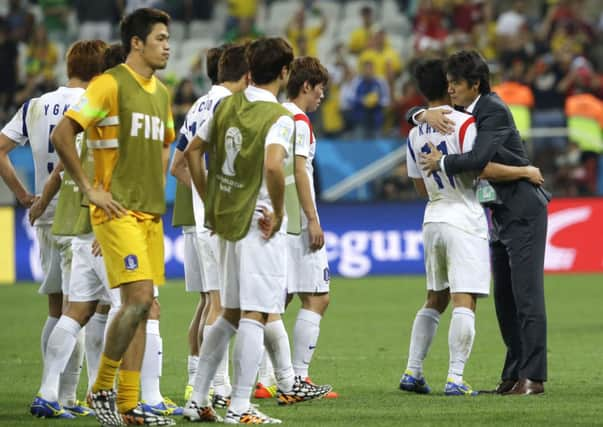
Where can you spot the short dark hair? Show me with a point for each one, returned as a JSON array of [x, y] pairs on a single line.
[[431, 78], [305, 69], [212, 60], [266, 58], [470, 66], [140, 24], [85, 59], [114, 55], [233, 64]]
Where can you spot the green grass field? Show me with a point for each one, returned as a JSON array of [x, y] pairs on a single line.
[[362, 352]]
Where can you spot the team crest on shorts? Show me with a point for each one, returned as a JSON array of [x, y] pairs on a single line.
[[326, 274], [131, 262]]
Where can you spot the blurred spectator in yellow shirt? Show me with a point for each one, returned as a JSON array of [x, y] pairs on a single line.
[[360, 37], [385, 59], [297, 30], [239, 10]]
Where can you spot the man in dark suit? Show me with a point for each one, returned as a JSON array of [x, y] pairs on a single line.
[[519, 217]]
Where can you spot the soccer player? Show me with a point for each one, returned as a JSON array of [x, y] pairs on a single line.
[[34, 122], [455, 236], [244, 206], [89, 298], [227, 67], [127, 114], [307, 265]]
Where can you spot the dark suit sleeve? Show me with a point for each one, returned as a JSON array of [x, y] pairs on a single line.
[[411, 112], [493, 129]]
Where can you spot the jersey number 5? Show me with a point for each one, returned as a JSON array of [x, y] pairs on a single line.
[[436, 176]]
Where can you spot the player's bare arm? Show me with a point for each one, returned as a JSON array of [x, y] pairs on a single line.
[[179, 170], [63, 138], [436, 118], [498, 172], [317, 237], [275, 181], [196, 165], [420, 187], [51, 188], [9, 175]]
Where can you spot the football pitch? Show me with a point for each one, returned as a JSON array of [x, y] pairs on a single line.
[[362, 351]]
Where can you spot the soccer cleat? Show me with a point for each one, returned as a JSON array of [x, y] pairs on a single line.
[[219, 401], [80, 410], [139, 416], [188, 392], [105, 408], [302, 391], [265, 392], [251, 416], [43, 408], [410, 383], [330, 395], [454, 389], [167, 407], [206, 414]]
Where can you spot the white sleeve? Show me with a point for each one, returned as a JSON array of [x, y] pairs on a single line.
[[16, 129], [411, 161], [281, 133], [414, 116], [205, 129], [302, 138]]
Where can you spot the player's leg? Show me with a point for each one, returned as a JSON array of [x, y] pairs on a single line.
[[469, 273], [128, 249], [426, 321], [51, 284], [152, 367], [460, 341], [266, 387], [193, 282], [215, 342], [210, 266], [95, 338], [221, 380], [192, 360]]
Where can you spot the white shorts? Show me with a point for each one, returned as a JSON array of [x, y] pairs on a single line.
[[307, 271], [55, 257], [456, 259], [192, 270], [207, 244], [254, 272], [89, 281]]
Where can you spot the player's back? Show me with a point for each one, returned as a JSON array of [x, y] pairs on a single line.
[[451, 198], [201, 111], [36, 120]]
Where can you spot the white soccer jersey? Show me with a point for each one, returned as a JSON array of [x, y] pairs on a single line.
[[305, 145], [280, 133], [34, 122], [452, 199], [202, 110]]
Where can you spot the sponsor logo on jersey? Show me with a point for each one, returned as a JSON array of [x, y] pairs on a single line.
[[131, 262]]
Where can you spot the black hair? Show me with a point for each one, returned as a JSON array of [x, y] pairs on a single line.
[[212, 59], [233, 64], [140, 24], [470, 66], [431, 79], [267, 57]]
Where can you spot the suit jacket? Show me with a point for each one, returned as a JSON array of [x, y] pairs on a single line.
[[499, 141]]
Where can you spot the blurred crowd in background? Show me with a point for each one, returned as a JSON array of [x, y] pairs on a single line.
[[545, 56]]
